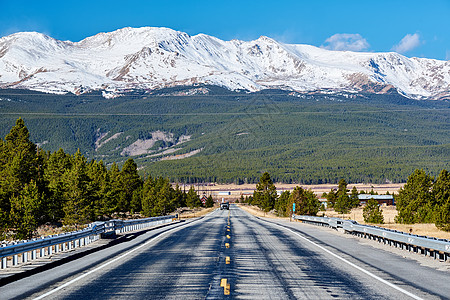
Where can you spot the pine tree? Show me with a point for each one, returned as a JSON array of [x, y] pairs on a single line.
[[163, 199], [265, 194], [25, 211], [343, 203], [77, 194], [209, 201], [179, 197], [110, 201], [306, 202], [354, 200], [56, 165], [148, 196], [331, 198], [99, 188], [342, 186], [192, 199], [372, 212], [130, 181], [441, 192], [282, 205], [19, 166], [415, 201]]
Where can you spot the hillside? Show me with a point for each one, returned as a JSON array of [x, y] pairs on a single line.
[[154, 58], [206, 133]]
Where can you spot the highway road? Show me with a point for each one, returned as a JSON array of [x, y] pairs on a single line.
[[268, 259]]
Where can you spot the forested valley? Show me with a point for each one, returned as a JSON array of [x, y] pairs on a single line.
[[234, 137]]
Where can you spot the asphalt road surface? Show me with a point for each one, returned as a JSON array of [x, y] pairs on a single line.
[[268, 259]]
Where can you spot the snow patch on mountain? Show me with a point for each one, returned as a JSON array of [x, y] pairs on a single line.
[[153, 58]]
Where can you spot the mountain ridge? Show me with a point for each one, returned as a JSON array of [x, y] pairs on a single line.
[[153, 58]]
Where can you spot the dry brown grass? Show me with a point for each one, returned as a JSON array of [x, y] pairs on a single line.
[[389, 213], [194, 213], [247, 189], [256, 211]]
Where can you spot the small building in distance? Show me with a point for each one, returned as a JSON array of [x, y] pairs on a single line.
[[222, 193], [381, 199]]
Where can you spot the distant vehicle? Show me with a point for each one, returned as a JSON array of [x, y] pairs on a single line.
[[224, 205]]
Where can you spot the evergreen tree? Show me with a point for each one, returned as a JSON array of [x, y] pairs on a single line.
[[110, 203], [136, 200], [372, 212], [25, 211], [343, 203], [130, 181], [99, 187], [331, 198], [414, 200], [18, 166], [179, 197], [209, 201], [192, 199], [5, 203], [283, 206], [306, 202], [342, 187], [77, 194], [265, 194], [148, 196], [354, 200], [56, 165], [163, 200], [441, 192]]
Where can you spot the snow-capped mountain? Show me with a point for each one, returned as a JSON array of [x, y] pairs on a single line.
[[151, 58]]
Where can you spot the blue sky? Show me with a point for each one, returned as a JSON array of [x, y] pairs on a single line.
[[410, 27]]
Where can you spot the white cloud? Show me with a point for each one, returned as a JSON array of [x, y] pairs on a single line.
[[346, 41], [408, 43]]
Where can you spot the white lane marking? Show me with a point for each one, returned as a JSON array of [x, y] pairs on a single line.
[[355, 266], [108, 263]]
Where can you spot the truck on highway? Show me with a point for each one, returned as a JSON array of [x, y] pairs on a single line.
[[224, 205]]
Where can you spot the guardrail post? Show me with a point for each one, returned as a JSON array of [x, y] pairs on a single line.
[[49, 250], [42, 252], [24, 257], [57, 248], [4, 263], [70, 245], [15, 260], [33, 254]]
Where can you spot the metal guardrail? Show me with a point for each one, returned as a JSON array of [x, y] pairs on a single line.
[[437, 248], [48, 245]]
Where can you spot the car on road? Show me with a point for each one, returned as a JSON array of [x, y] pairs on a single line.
[[224, 205]]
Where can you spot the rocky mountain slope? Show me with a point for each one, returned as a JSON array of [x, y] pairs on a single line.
[[152, 58]]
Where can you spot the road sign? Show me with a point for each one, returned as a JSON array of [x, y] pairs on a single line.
[[293, 207], [203, 199]]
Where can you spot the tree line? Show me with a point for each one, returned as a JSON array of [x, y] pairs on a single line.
[[423, 199], [37, 187], [266, 198]]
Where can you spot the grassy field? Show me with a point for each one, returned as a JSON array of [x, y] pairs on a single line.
[[236, 190], [389, 213]]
